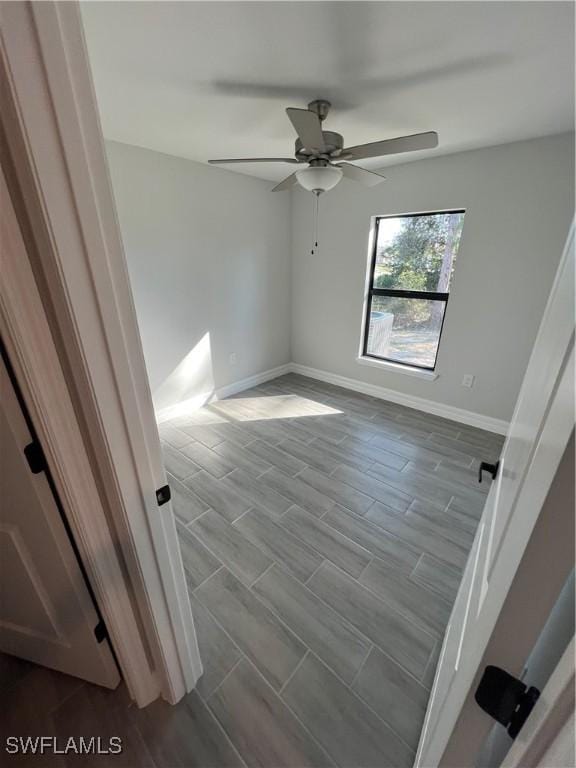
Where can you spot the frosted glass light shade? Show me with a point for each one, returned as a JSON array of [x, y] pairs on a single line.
[[323, 177]]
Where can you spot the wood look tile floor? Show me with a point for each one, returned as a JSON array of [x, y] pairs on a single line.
[[323, 535]]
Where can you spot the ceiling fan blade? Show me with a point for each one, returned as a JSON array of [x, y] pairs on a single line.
[[286, 184], [412, 143], [255, 160], [308, 127], [368, 178]]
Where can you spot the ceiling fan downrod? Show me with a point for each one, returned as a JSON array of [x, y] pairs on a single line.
[[316, 193]]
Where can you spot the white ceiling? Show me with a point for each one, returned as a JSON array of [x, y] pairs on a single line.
[[212, 79]]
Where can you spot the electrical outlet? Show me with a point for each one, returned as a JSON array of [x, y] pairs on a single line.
[[233, 358], [468, 380]]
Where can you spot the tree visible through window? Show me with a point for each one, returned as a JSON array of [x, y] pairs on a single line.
[[410, 274]]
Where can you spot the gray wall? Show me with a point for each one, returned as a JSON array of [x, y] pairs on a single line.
[[519, 202], [208, 252], [218, 265]]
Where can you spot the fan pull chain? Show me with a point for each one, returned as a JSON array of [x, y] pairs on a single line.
[[315, 236]]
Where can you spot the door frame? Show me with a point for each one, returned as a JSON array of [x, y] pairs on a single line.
[[70, 328]]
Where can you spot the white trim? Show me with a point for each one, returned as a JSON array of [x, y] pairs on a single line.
[[193, 403], [370, 250], [253, 381], [411, 401], [56, 147], [183, 407], [406, 370], [31, 350], [27, 341]]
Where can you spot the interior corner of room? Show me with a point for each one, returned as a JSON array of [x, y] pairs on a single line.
[[228, 294]]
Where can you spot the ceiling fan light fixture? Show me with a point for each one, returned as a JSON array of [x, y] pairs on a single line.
[[319, 178]]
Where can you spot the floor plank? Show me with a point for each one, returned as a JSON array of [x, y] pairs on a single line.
[[375, 453], [323, 630], [255, 629], [219, 496], [382, 492], [419, 605], [199, 563], [400, 638], [177, 464], [396, 696], [218, 653], [374, 539], [326, 540], [310, 455], [297, 492], [258, 494], [203, 433], [185, 736], [417, 536], [261, 725], [278, 458], [186, 504], [346, 728], [207, 459], [342, 455], [438, 576], [242, 459], [98, 712], [278, 544], [339, 492], [246, 561], [173, 436]]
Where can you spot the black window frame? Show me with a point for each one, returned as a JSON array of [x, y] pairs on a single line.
[[400, 293]]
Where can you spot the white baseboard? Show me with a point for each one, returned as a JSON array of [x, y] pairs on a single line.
[[196, 402], [411, 401], [183, 407], [252, 381]]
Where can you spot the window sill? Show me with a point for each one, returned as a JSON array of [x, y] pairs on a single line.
[[407, 370]]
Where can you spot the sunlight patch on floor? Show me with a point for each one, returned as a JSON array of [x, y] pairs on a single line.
[[271, 407]]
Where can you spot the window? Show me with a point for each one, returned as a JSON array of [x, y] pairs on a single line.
[[409, 281]]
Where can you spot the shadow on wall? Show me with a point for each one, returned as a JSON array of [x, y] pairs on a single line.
[[189, 386]]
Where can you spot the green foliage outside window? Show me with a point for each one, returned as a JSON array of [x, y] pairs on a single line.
[[419, 256]]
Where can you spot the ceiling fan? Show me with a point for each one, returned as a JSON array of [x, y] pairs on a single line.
[[326, 156]]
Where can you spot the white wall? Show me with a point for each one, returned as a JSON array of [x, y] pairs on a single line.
[[208, 252], [519, 200]]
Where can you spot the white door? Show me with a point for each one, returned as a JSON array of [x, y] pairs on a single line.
[[46, 613], [539, 431]]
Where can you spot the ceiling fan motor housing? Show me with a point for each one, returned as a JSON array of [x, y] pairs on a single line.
[[333, 145]]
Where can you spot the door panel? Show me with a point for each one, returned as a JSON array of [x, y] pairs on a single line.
[[46, 613], [28, 609], [541, 376], [539, 432]]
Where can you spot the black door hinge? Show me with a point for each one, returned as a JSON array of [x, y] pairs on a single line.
[[100, 631], [35, 457], [505, 698], [163, 495]]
